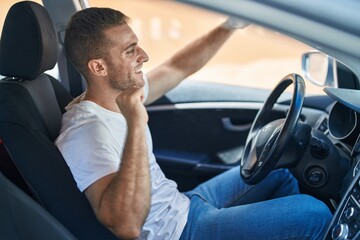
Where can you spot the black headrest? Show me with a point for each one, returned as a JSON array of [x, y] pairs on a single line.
[[28, 45]]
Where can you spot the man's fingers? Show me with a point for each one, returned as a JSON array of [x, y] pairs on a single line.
[[235, 23], [130, 96]]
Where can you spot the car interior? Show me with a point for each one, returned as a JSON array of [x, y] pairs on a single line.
[[36, 183]]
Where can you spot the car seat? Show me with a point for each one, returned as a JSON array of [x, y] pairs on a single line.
[[31, 105], [22, 218]]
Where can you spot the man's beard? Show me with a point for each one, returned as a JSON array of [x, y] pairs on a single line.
[[119, 82], [124, 84]]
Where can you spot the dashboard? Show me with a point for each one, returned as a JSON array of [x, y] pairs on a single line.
[[344, 129], [346, 221]]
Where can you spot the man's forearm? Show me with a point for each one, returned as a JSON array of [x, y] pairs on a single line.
[[126, 202], [186, 62], [196, 54]]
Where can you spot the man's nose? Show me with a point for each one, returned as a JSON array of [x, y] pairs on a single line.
[[143, 56]]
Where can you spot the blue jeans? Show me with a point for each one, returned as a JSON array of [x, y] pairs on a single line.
[[227, 208]]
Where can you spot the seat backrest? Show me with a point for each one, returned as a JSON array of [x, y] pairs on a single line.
[[22, 218], [28, 48], [31, 103]]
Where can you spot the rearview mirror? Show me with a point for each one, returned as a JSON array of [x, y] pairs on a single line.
[[319, 69]]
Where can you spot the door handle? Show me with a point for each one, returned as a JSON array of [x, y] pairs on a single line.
[[228, 125]]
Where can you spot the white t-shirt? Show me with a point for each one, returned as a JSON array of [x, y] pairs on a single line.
[[92, 139]]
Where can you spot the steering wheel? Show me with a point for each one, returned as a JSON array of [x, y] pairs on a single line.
[[266, 141]]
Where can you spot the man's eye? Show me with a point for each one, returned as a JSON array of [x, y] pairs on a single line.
[[131, 51]]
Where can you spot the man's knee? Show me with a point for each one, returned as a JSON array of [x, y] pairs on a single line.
[[313, 212]]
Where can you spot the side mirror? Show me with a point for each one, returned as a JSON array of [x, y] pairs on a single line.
[[319, 69]]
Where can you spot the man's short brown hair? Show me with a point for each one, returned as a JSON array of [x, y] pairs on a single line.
[[84, 36]]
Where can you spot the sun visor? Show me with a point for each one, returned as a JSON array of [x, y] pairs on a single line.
[[348, 97]]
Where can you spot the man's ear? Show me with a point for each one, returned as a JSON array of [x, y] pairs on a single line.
[[97, 67]]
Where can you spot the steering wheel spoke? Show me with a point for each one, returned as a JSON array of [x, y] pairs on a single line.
[[251, 155]]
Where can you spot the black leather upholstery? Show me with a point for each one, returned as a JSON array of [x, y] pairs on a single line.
[[31, 104], [22, 218], [33, 43], [28, 48]]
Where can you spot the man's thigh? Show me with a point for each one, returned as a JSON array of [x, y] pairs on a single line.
[[228, 189], [292, 217]]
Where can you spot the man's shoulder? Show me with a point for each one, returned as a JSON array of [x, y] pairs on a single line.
[[79, 114], [89, 111], [79, 117], [89, 117]]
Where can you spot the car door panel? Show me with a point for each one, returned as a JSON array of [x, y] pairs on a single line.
[[199, 129], [199, 132], [197, 140]]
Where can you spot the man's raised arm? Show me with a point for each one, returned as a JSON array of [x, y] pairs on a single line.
[[189, 59]]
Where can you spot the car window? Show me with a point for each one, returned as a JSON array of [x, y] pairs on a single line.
[[255, 56]]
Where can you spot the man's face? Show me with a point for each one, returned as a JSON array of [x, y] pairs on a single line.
[[125, 58]]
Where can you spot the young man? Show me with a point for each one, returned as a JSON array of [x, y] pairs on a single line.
[[107, 145]]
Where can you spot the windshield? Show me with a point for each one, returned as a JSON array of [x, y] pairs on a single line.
[[253, 57]]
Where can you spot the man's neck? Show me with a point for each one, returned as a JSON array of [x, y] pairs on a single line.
[[105, 100]]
